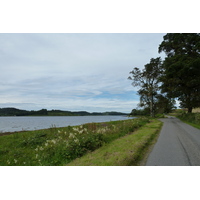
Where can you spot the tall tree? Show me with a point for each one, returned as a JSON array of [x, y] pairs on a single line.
[[164, 104], [148, 81], [181, 67]]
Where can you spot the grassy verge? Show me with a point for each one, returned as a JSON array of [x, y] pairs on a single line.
[[192, 124], [59, 146], [125, 151], [192, 119]]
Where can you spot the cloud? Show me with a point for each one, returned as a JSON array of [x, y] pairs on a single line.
[[73, 71]]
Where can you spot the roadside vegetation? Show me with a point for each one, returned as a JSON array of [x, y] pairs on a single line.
[[59, 146], [126, 151], [160, 82], [192, 119]]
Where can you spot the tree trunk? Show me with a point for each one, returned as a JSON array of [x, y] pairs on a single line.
[[151, 106], [189, 104], [189, 109]]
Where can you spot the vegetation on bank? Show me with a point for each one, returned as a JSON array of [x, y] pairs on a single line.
[[45, 112], [126, 151], [59, 146], [192, 119]]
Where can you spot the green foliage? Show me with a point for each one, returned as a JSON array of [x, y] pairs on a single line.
[[124, 151], [35, 140], [58, 146], [140, 112], [159, 116], [181, 78], [163, 104], [149, 80], [190, 117]]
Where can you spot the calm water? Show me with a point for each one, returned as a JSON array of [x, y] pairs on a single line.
[[12, 124]]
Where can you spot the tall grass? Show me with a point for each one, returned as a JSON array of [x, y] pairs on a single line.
[[124, 151], [191, 118], [59, 146], [196, 110]]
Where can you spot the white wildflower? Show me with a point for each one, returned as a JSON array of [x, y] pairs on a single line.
[[114, 127], [53, 141], [102, 130], [76, 141], [41, 148], [75, 129], [71, 135]]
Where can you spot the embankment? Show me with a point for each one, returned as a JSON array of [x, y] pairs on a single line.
[[125, 151]]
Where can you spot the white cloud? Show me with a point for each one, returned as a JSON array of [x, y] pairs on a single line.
[[72, 70]]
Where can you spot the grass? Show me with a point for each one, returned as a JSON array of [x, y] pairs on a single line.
[[59, 146], [192, 124], [192, 119], [125, 151]]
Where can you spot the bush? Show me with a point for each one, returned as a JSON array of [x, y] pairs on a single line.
[[190, 117], [159, 116]]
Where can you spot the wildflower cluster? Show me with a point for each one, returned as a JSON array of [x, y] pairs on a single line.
[[103, 130]]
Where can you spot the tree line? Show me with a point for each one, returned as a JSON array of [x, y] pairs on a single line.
[[177, 77], [45, 112]]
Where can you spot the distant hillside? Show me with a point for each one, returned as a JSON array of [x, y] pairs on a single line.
[[45, 112]]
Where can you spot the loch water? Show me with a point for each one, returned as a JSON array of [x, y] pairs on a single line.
[[12, 124]]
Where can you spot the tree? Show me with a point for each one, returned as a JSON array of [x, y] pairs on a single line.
[[181, 78], [148, 80], [164, 104], [42, 112]]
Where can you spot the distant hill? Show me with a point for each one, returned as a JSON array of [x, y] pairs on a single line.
[[45, 112]]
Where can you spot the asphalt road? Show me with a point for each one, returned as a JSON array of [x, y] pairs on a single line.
[[177, 145]]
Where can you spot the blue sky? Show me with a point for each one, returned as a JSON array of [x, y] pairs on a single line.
[[80, 71]]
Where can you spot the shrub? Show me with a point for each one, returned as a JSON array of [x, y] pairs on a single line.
[[190, 117], [159, 115]]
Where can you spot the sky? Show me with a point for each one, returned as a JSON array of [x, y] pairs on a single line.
[[73, 71]]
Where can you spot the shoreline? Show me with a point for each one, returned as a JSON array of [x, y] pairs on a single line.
[[53, 124]]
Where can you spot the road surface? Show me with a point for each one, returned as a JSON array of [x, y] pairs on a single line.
[[177, 145]]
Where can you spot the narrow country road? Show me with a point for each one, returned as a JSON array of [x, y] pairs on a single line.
[[177, 145]]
